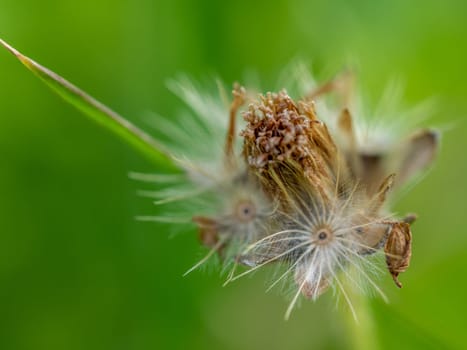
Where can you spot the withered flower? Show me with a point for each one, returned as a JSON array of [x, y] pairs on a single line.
[[295, 192], [328, 220], [306, 186]]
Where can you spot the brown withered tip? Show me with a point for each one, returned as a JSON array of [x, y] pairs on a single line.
[[345, 124], [410, 218], [239, 95], [398, 250], [420, 151]]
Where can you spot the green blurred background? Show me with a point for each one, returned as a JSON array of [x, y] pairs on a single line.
[[76, 270]]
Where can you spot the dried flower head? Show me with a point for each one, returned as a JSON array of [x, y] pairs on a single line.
[[305, 187], [297, 193], [283, 134], [328, 220]]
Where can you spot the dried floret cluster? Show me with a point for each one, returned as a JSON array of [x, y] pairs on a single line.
[[296, 189]]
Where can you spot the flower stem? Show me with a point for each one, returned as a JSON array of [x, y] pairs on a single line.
[[361, 326]]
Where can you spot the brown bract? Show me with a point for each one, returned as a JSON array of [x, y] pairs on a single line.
[[398, 249]]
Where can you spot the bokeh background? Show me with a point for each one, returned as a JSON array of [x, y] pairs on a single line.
[[78, 272]]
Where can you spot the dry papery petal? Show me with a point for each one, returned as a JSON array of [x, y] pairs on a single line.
[[398, 250]]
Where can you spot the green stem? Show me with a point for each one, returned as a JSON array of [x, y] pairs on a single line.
[[362, 330]]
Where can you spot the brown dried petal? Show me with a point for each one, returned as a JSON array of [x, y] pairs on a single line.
[[419, 153], [369, 168], [398, 250], [380, 196], [208, 234], [345, 124], [410, 218]]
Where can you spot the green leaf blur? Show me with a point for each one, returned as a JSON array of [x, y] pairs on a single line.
[[78, 272], [95, 110]]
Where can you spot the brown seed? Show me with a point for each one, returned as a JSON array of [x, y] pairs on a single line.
[[398, 250]]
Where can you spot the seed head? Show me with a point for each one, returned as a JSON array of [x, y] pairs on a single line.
[[298, 189]]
